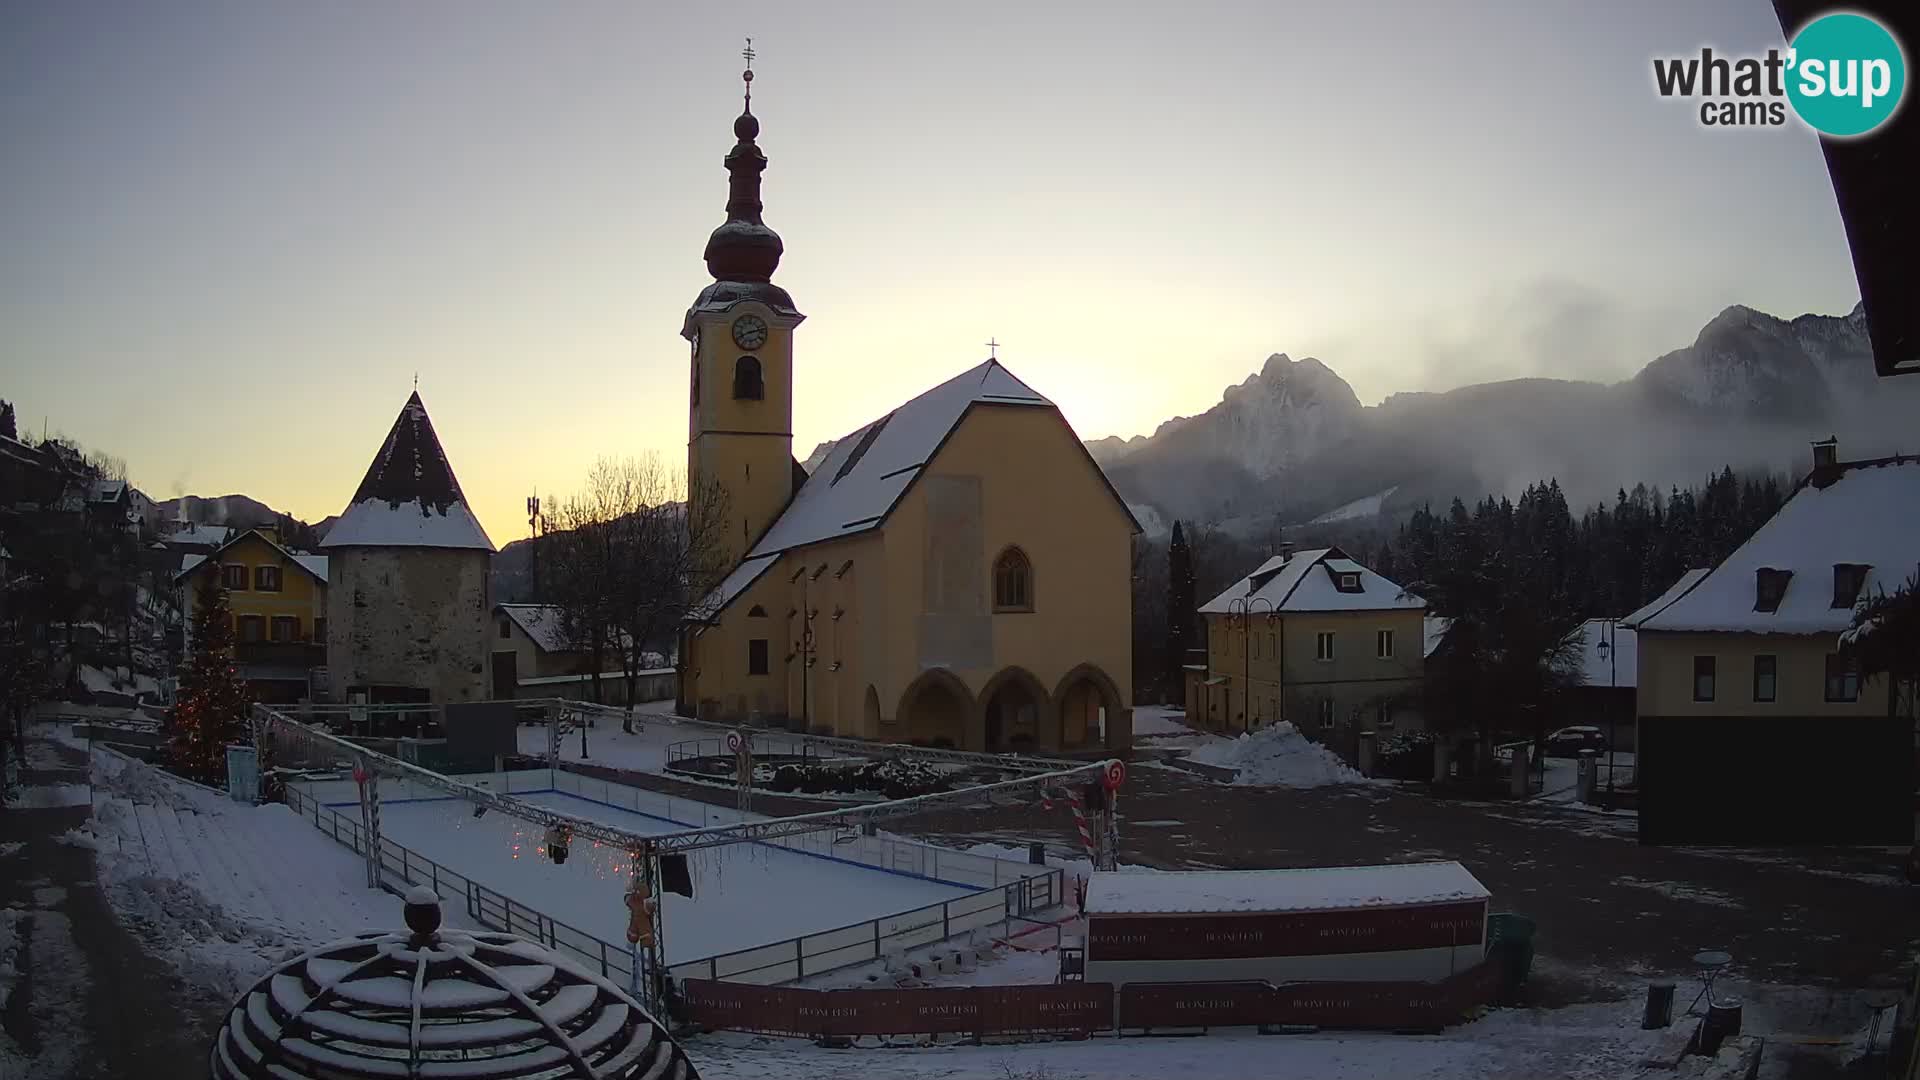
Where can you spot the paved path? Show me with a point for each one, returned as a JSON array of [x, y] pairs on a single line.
[[89, 1001], [1830, 917]]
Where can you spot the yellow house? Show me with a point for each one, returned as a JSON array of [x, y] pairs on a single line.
[[1317, 639], [955, 573], [279, 603], [1752, 725]]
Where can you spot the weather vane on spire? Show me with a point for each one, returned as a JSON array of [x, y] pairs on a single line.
[[747, 75]]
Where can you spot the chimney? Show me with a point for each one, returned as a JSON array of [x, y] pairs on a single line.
[[1826, 452]]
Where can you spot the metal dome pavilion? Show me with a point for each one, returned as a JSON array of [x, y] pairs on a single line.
[[433, 1003]]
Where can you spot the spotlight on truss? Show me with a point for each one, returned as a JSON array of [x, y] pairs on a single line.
[[479, 812]]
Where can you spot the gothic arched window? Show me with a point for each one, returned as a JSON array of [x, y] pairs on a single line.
[[747, 384], [1012, 581]]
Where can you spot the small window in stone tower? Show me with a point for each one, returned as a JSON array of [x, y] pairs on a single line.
[[1012, 581], [747, 385]]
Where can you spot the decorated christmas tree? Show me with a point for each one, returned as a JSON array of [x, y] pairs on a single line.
[[210, 709]]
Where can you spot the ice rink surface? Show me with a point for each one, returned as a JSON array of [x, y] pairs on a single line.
[[743, 894]]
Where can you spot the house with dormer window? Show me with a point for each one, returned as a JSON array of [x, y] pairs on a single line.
[[1314, 638], [1752, 724]]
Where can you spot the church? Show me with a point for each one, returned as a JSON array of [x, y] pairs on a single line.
[[955, 573]]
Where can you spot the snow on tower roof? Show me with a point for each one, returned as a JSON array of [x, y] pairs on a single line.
[[1860, 514], [1186, 892], [409, 497], [1287, 584]]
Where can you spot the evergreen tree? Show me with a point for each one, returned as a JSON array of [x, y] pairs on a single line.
[[1885, 640], [1180, 603], [210, 710], [7, 424]]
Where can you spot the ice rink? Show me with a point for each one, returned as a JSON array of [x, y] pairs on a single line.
[[744, 894]]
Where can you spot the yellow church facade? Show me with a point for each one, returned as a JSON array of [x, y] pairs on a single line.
[[955, 573]]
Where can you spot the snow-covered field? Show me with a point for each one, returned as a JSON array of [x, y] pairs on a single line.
[[744, 894], [1279, 756], [223, 889]]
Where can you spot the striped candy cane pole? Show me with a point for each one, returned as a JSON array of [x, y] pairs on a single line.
[[1080, 819]]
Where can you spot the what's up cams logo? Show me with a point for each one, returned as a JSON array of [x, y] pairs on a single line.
[[1843, 75]]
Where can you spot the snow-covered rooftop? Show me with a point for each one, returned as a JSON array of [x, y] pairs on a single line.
[[200, 534], [1674, 592], [543, 623], [409, 497], [1867, 515], [1172, 892], [1305, 582], [1615, 666], [735, 583], [865, 474], [312, 564]]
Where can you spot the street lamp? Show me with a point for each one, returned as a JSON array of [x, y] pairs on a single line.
[[1610, 632], [1242, 609]]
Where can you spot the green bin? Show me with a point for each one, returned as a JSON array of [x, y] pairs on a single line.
[[1510, 944]]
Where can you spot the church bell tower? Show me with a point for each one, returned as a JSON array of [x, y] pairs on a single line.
[[740, 416]]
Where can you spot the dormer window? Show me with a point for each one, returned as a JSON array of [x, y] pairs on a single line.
[[1848, 580], [1769, 588], [1348, 583]]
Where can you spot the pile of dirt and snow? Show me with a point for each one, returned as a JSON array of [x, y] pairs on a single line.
[[1279, 756]]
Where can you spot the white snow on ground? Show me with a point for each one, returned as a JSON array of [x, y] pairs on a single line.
[[1279, 756], [60, 983], [1368, 506], [222, 889], [117, 681], [1581, 1042], [744, 894], [1151, 720], [51, 795], [1681, 891], [644, 751]]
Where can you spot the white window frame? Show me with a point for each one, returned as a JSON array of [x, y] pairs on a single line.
[[1323, 646], [1383, 644], [1326, 714]]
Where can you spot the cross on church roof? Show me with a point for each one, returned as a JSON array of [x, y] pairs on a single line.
[[993, 349], [747, 75]]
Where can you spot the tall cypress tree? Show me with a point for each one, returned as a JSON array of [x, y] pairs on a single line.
[[210, 710], [1180, 604]]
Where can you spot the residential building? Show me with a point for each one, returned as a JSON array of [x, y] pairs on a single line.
[[410, 609], [957, 572], [278, 601], [533, 656], [1317, 639], [1752, 725]]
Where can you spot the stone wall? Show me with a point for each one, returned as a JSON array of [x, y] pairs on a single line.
[[409, 617]]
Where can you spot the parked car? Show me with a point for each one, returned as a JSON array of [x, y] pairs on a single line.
[[1569, 741]]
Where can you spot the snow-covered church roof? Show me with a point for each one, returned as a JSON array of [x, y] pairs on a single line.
[[409, 497], [865, 474], [1289, 584], [1863, 514]]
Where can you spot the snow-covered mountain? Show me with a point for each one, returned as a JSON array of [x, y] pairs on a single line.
[[1293, 443]]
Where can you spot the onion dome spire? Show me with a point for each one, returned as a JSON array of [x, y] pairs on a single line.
[[743, 248]]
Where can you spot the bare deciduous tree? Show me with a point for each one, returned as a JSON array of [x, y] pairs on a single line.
[[631, 556]]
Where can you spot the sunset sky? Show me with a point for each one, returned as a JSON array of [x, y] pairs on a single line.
[[234, 232]]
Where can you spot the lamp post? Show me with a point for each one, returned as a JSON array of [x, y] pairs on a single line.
[[1610, 632], [1242, 609]]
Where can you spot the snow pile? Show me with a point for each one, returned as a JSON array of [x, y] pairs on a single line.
[[222, 889], [1154, 720], [1279, 756]]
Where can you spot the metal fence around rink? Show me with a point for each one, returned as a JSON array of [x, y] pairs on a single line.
[[1005, 889]]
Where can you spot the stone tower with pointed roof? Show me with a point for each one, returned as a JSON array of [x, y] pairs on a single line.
[[409, 601], [956, 572]]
